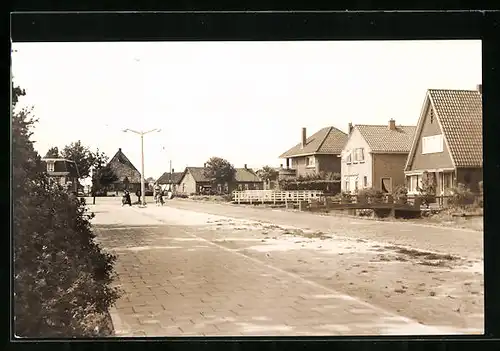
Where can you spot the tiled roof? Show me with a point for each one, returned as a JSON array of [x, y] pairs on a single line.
[[381, 139], [165, 178], [122, 167], [198, 174], [246, 175], [328, 140], [62, 167], [460, 113]]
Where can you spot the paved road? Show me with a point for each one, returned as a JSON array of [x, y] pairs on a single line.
[[461, 242], [178, 282]]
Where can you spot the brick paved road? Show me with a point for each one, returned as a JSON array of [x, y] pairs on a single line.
[[178, 283]]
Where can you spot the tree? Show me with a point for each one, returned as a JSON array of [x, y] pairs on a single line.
[[102, 174], [53, 152], [62, 278], [219, 170], [267, 173], [82, 156]]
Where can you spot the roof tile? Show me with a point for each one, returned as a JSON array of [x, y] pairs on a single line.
[[329, 140], [381, 139], [460, 113]]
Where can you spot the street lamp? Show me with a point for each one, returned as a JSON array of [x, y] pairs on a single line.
[[143, 195]]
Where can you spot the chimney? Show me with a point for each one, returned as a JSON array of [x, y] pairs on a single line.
[[245, 166], [392, 124], [304, 137], [349, 128], [119, 149], [479, 88]]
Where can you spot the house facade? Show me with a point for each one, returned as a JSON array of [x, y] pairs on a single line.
[[63, 172], [170, 181], [375, 156], [317, 153], [448, 143], [193, 181], [129, 178]]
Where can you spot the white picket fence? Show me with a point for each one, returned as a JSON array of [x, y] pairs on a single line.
[[275, 197]]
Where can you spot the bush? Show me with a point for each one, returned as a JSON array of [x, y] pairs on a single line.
[[371, 195], [400, 193], [461, 196], [428, 190], [62, 278]]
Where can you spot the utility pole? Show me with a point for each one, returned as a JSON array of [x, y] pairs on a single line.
[[171, 175], [143, 190]]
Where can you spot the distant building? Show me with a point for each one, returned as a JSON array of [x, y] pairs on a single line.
[[317, 153], [375, 156], [448, 143], [170, 180], [193, 181], [128, 176], [63, 171]]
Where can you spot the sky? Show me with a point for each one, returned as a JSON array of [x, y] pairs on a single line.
[[243, 101]]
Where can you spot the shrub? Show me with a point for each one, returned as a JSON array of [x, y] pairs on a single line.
[[370, 195], [428, 189], [461, 196], [62, 278], [400, 193]]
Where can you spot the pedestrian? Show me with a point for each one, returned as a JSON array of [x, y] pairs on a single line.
[[126, 198], [138, 193]]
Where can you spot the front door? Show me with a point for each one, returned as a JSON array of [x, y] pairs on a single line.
[[386, 185]]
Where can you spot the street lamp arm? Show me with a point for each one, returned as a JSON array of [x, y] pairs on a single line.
[[152, 130], [133, 131]]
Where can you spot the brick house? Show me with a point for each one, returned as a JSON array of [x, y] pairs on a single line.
[[63, 171], [317, 153], [448, 143], [128, 176], [193, 181], [375, 156]]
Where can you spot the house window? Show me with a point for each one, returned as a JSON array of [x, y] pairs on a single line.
[[365, 181], [359, 154], [310, 161], [50, 166], [348, 158], [246, 186], [346, 185], [432, 144], [240, 187], [356, 185]]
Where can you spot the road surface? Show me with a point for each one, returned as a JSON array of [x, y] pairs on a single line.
[[204, 269]]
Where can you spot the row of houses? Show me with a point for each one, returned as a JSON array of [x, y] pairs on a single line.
[[446, 142], [193, 181]]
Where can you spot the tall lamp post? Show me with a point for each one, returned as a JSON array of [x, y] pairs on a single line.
[[143, 195]]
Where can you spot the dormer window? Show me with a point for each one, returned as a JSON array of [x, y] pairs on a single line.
[[50, 166]]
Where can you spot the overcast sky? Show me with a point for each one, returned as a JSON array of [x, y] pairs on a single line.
[[243, 101]]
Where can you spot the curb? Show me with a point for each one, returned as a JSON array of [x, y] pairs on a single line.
[[119, 326]]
